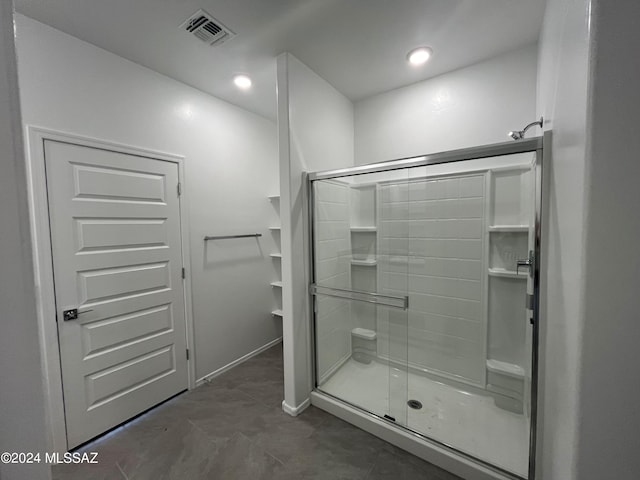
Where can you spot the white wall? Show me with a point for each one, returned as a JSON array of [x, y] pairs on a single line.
[[609, 419], [315, 132], [22, 412], [562, 99], [231, 167], [472, 106]]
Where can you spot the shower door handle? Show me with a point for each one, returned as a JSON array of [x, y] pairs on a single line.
[[368, 297]]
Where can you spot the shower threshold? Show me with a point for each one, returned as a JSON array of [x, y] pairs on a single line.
[[469, 422]]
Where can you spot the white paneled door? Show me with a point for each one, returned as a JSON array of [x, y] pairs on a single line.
[[117, 259]]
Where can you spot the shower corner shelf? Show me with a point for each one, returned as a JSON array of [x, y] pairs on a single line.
[[368, 229], [276, 255], [367, 262], [277, 313], [501, 272], [275, 228], [505, 368], [509, 228], [274, 197], [277, 284]]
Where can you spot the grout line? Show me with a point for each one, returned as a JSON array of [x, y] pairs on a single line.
[[368, 474], [203, 431], [122, 471], [256, 399], [232, 389], [263, 449]]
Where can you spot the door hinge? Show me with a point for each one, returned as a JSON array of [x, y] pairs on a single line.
[[184, 273], [179, 188], [187, 354]]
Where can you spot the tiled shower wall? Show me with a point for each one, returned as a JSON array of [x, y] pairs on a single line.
[[333, 260], [432, 248]]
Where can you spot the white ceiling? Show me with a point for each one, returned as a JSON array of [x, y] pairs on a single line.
[[359, 46]]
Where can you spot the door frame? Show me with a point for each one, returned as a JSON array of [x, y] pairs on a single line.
[[43, 265]]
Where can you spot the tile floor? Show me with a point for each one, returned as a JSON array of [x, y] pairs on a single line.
[[234, 429], [470, 422]]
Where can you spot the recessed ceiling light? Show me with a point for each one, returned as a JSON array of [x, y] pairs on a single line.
[[419, 56], [242, 82]]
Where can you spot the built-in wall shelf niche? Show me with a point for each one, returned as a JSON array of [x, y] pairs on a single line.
[[366, 262], [362, 218], [510, 197], [509, 219], [509, 228], [363, 207], [369, 229], [276, 256], [363, 247], [363, 221], [508, 323], [506, 248]]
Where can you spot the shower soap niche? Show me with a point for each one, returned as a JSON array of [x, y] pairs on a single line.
[[506, 382], [363, 345]]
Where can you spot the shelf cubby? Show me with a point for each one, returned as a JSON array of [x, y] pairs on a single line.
[[275, 229]]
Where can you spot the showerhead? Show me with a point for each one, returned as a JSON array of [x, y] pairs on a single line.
[[519, 134]]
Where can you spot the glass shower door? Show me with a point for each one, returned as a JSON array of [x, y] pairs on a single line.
[[471, 226], [423, 281], [360, 325]]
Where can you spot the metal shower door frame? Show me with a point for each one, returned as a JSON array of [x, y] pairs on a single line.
[[534, 144]]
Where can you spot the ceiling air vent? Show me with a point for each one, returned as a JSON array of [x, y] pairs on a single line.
[[207, 28]]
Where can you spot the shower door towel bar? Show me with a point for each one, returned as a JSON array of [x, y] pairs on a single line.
[[368, 297], [223, 237]]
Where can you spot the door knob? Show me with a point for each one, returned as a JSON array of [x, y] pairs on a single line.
[[72, 314]]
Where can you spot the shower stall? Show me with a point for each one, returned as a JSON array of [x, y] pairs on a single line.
[[424, 291]]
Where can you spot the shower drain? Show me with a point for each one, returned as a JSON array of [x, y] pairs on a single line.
[[415, 404]]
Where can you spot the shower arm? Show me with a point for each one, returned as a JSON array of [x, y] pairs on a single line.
[[539, 123]]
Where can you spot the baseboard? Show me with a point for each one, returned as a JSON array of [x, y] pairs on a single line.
[[295, 411], [237, 362]]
